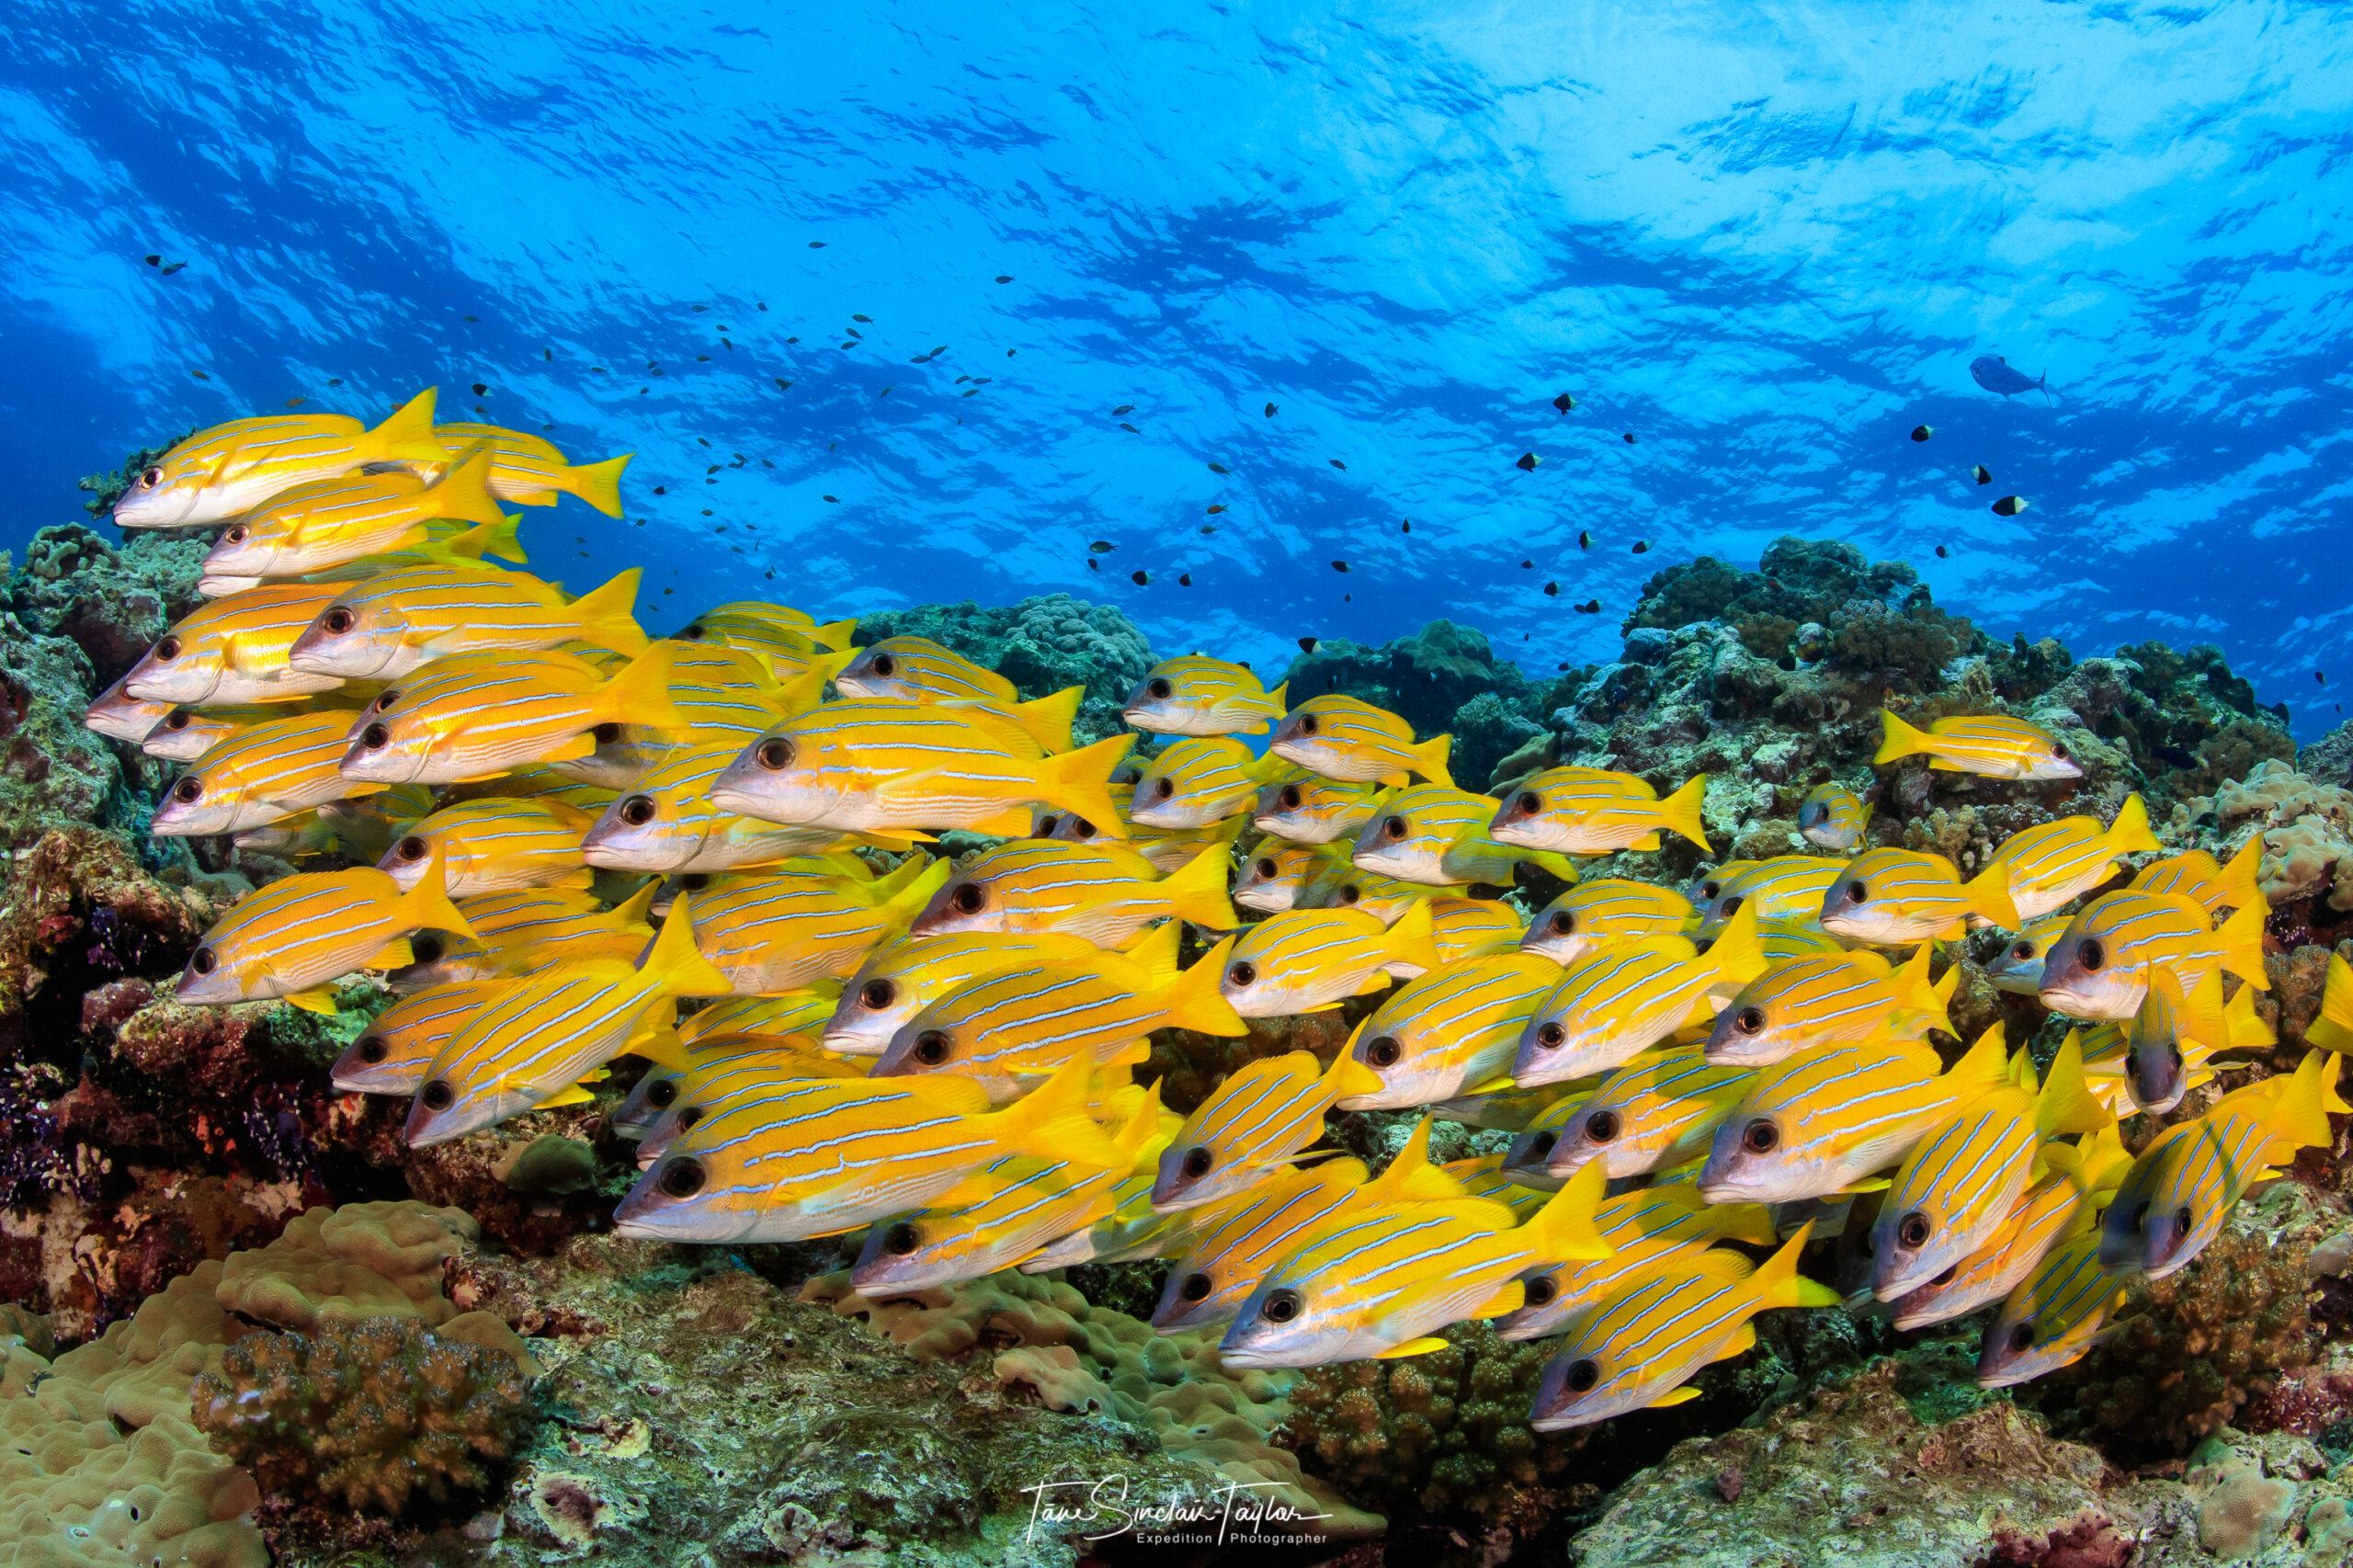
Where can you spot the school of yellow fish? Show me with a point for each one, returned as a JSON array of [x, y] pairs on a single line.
[[845, 1032]]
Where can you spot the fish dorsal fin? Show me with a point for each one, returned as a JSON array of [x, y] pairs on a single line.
[[2066, 1103], [1985, 1066]]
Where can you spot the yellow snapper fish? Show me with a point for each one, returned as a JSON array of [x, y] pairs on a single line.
[[1007, 1030], [1786, 887], [1474, 929], [2017, 968], [296, 837], [384, 627], [2051, 864], [2053, 1318], [1380, 1282], [1613, 1006], [905, 974], [266, 772], [495, 846], [719, 693], [1168, 849], [1131, 1233], [2100, 966], [792, 1012], [1654, 1228], [1099, 892], [1583, 921], [1991, 746], [768, 932], [477, 715], [2166, 1047], [816, 1158], [889, 767], [1251, 1126], [741, 1068], [233, 468], [516, 934], [547, 1032], [1654, 1113], [1638, 1347], [1507, 1110], [1309, 960], [2062, 1204], [529, 470], [120, 716], [1197, 781], [186, 733], [296, 937], [1198, 696], [1823, 1122], [1833, 817], [1785, 940], [1341, 886], [2197, 875], [1894, 897], [232, 651], [915, 669], [1348, 739], [1232, 1245], [2183, 1186], [2333, 1029], [1438, 835], [665, 823], [1960, 1182], [1453, 1029], [1313, 810], [1822, 1000], [403, 1040], [1272, 879], [331, 522], [1589, 810], [1528, 1159], [778, 630]]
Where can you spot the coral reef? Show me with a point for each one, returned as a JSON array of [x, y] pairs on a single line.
[[1041, 645]]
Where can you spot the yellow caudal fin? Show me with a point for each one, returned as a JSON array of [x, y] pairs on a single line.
[[463, 492], [1143, 1123], [2243, 1027], [599, 485], [640, 693], [1412, 941], [1192, 1001], [1737, 953], [2299, 1112], [1156, 954], [676, 965], [498, 538], [1776, 1282], [2065, 1105], [1276, 697], [2240, 880], [2242, 936], [1989, 895], [1048, 720], [2129, 833], [1051, 1121], [319, 999], [1557, 863], [1196, 891], [2201, 1016], [426, 906], [407, 435], [1348, 1076], [1917, 992], [1563, 1231], [1679, 812], [1984, 1065], [834, 635], [1081, 781], [636, 909], [608, 614], [1429, 760], [1898, 739], [2333, 1030]]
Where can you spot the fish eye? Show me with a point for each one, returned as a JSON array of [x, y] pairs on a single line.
[[664, 1093], [1543, 1147], [605, 733], [1760, 1137], [688, 1117], [2140, 1216], [1563, 922], [336, 620], [1307, 723], [1196, 1287], [1384, 1050], [1350, 893], [1732, 905], [1857, 892], [236, 535], [439, 1096], [1393, 828], [1282, 1306], [682, 1178], [1540, 1290], [2173, 1052], [1946, 1278], [1581, 1374], [1551, 1033], [1243, 973], [1603, 1127], [931, 1048], [1914, 1230], [775, 753], [1749, 1020], [1530, 802], [1267, 868], [2183, 1220], [694, 881], [2091, 953], [637, 810], [1163, 787], [2022, 1336], [900, 1238], [386, 698], [1081, 828], [1046, 824], [1290, 797], [203, 960], [2059, 751], [970, 898], [414, 849], [426, 949], [154, 476], [2022, 950], [694, 633], [178, 719], [1709, 890], [372, 1049], [884, 665], [168, 650], [877, 995], [1198, 1161], [1158, 689], [374, 736], [188, 790]]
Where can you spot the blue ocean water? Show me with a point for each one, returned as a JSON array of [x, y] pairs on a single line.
[[1766, 241]]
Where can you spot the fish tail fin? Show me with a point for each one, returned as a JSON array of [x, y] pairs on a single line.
[[640, 693], [834, 635], [1737, 953], [1196, 891], [1410, 1177], [2065, 1103], [1135, 1134], [2240, 878], [1916, 991], [1348, 1076], [1989, 895], [2333, 1030], [1776, 1282], [1050, 1121], [1156, 954], [1081, 781], [1563, 1231], [2243, 1027], [2129, 833], [1898, 739], [2242, 936], [1555, 862], [675, 964], [1984, 1065], [599, 485], [1277, 697], [608, 615], [2203, 1017], [463, 492], [1679, 812], [426, 906], [499, 538], [406, 433], [1412, 941], [1048, 719], [1429, 760], [1192, 1000], [2300, 1111]]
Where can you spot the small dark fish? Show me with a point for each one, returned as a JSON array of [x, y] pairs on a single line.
[[1407, 526], [1981, 474], [1336, 462], [1219, 468], [817, 244], [335, 381], [1140, 578], [2010, 506], [296, 401], [1270, 411], [1093, 565], [548, 355], [868, 320], [173, 267], [1340, 566], [1590, 607], [1209, 527], [1552, 590], [707, 307], [1526, 463], [1129, 429], [835, 499], [1994, 373], [781, 384], [660, 490], [1185, 579], [1005, 277], [1123, 408], [480, 388], [155, 261], [1214, 510], [1630, 438], [1102, 547], [199, 375], [1307, 644], [1585, 539], [1922, 432], [1525, 566], [2320, 676], [1564, 402], [1641, 546], [473, 318], [1943, 554]]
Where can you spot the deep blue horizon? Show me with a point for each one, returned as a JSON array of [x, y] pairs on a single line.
[[1766, 241]]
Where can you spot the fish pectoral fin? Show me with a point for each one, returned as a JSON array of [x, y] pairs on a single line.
[[1939, 765], [1683, 1396], [1492, 1086], [572, 1095], [394, 954], [1395, 780], [580, 745], [1744, 1340], [1869, 1184], [1128, 1055], [1509, 1299], [1421, 1347], [319, 999]]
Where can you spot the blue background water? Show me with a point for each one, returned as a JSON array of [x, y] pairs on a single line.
[[1766, 240]]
